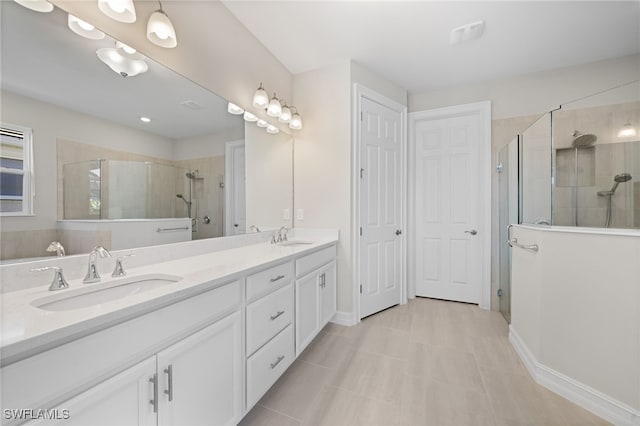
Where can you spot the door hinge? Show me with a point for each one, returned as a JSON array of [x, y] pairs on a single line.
[[361, 231], [360, 288], [361, 173]]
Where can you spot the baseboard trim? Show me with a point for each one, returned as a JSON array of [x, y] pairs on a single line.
[[586, 397], [344, 318]]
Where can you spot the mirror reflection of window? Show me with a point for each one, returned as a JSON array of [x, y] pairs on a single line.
[[15, 170]]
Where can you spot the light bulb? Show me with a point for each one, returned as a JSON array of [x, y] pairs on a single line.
[[627, 131], [260, 98], [84, 29], [296, 122], [234, 109], [274, 109], [262, 123], [249, 117], [145, 119], [119, 10], [285, 115], [160, 30]]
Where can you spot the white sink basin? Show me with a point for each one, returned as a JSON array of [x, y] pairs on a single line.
[[295, 243], [96, 294]]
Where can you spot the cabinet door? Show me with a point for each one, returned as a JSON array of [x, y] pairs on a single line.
[[328, 277], [307, 310], [201, 377], [125, 399]]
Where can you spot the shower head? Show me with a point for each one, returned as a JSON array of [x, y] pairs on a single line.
[[582, 141], [618, 179], [183, 199], [192, 175]]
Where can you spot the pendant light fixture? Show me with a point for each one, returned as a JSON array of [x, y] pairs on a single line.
[[260, 98], [627, 130], [274, 109], [84, 29], [285, 115], [36, 5], [296, 120], [262, 123], [249, 117], [160, 30], [271, 129], [122, 62], [234, 109], [120, 10]]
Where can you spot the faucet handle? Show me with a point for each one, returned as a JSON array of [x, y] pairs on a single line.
[[58, 282], [119, 271]]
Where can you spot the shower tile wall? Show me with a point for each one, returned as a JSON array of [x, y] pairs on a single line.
[[597, 166]]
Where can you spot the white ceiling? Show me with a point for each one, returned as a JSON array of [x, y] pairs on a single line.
[[44, 60], [408, 42]]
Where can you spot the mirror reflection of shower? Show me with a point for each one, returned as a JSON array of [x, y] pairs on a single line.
[[191, 175], [580, 141], [617, 180]]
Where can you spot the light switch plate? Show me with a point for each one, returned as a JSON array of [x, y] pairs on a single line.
[[300, 214]]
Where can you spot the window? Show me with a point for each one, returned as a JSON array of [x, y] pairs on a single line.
[[16, 190]]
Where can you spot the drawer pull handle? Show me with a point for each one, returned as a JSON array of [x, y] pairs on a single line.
[[169, 371], [277, 361], [278, 278], [154, 401], [273, 317]]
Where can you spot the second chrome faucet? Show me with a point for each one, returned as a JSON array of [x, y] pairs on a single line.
[[92, 272]]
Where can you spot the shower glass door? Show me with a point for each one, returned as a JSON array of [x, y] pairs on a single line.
[[508, 195]]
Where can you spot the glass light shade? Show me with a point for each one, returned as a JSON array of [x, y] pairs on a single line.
[[260, 98], [37, 5], [296, 122], [121, 65], [84, 29], [120, 10], [285, 115], [272, 129], [160, 30], [234, 109], [249, 117], [262, 123], [274, 109], [128, 51], [627, 131]]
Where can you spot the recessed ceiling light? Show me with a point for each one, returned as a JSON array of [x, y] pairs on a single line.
[[145, 119]]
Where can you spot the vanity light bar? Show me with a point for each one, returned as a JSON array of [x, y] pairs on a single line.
[[277, 108]]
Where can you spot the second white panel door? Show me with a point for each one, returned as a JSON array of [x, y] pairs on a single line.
[[448, 187]]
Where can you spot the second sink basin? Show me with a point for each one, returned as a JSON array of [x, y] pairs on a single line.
[[95, 294], [295, 243]]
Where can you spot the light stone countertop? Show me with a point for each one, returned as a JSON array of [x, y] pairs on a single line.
[[27, 330]]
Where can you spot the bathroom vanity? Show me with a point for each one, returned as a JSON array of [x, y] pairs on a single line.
[[200, 344]]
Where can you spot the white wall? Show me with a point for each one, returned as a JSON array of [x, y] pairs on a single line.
[[537, 92], [211, 145], [214, 49], [50, 122], [323, 155]]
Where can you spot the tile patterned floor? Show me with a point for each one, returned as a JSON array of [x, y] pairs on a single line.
[[429, 362]]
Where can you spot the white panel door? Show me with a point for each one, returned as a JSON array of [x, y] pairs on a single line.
[[448, 215], [380, 207], [235, 189], [200, 377]]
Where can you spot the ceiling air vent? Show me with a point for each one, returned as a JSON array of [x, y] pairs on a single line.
[[466, 32], [191, 105]]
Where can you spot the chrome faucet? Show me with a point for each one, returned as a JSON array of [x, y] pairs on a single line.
[[57, 247], [92, 273], [58, 283], [254, 228], [119, 271], [282, 236]]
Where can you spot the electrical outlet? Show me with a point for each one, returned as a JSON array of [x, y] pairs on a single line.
[[286, 214], [300, 214]]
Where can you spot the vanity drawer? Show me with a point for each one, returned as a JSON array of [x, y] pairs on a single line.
[[315, 260], [268, 364], [267, 316], [263, 282]]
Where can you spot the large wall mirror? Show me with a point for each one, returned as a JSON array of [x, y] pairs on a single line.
[[115, 157]]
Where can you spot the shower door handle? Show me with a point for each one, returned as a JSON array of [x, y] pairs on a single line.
[[472, 232]]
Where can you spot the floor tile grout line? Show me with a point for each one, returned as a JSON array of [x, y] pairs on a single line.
[[279, 412]]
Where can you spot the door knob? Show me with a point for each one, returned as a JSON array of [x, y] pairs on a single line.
[[472, 232], [398, 231]]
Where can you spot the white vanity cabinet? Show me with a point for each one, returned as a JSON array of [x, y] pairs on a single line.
[[196, 381], [315, 294]]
